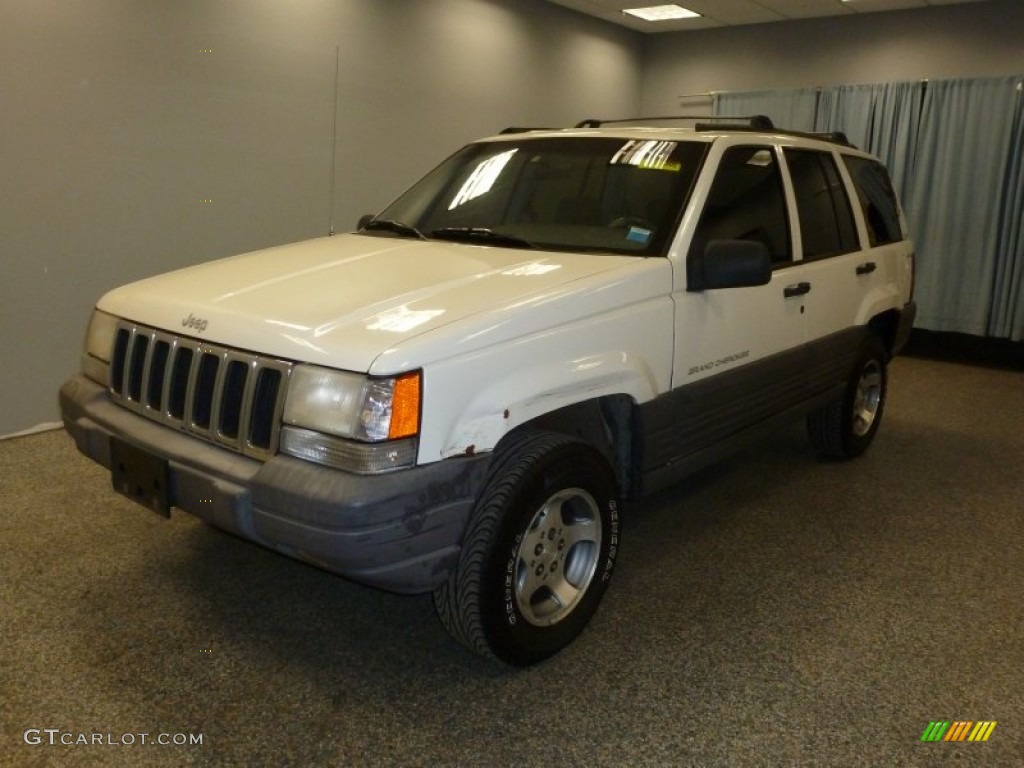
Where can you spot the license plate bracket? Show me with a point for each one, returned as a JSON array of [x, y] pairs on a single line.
[[140, 476]]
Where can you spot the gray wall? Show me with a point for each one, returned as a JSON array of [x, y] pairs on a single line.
[[143, 135], [970, 40]]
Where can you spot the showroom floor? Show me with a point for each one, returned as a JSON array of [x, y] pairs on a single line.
[[775, 610]]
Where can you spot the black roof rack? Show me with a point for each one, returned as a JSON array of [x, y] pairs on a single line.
[[753, 122], [836, 137], [520, 129], [732, 123]]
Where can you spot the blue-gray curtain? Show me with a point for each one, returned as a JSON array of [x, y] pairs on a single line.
[[847, 108], [791, 108], [959, 211], [882, 118], [1007, 318], [955, 150]]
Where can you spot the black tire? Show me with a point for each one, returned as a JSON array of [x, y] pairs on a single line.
[[538, 552], [844, 428]]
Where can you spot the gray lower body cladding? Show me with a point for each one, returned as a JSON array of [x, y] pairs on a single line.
[[400, 531], [698, 424]]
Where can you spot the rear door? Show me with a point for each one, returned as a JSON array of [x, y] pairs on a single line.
[[839, 274]]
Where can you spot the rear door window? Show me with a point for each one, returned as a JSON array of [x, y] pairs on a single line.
[[826, 219]]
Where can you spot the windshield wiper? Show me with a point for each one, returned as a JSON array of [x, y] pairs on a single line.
[[480, 234], [391, 225]]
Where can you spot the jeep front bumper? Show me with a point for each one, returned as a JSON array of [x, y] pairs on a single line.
[[400, 531]]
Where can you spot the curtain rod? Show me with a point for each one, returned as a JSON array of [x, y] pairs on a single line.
[[708, 94]]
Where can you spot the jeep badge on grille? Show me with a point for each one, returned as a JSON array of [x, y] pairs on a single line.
[[194, 322]]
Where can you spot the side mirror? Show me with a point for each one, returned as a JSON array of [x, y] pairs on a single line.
[[730, 264], [365, 219]]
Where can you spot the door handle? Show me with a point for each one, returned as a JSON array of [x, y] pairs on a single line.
[[866, 268], [797, 289]]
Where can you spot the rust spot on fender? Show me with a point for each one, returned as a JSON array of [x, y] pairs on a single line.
[[470, 450], [507, 414]]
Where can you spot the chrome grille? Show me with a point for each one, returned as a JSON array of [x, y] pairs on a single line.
[[224, 395]]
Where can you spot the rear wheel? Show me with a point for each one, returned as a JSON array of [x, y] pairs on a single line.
[[845, 427], [538, 552]]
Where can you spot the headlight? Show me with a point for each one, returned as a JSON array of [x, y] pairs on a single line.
[[377, 419], [99, 340]]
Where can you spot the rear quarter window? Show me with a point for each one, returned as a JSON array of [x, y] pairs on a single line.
[[877, 200]]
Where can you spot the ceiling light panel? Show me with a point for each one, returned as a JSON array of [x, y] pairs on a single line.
[[662, 12]]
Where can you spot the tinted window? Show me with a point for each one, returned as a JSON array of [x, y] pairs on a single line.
[[877, 200], [746, 202], [826, 220], [573, 193]]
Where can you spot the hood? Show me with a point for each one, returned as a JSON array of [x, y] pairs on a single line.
[[344, 301]]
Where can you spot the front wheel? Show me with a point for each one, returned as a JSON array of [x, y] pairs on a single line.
[[538, 552], [844, 428]]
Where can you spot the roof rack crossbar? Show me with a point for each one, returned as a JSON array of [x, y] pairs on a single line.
[[834, 137], [755, 122], [521, 129]]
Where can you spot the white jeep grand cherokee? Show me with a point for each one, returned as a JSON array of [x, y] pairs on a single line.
[[455, 398]]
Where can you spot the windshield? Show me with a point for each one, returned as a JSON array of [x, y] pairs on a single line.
[[567, 193]]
